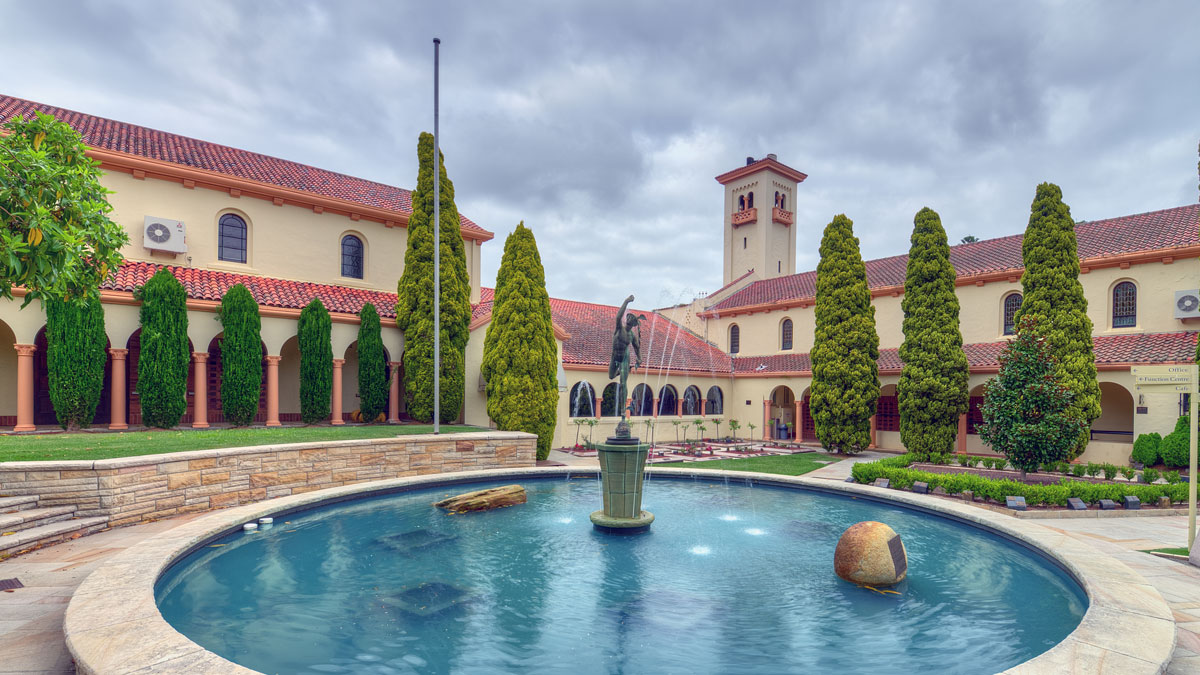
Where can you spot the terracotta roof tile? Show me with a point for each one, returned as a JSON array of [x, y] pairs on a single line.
[[1110, 349], [1157, 230], [204, 284], [167, 147]]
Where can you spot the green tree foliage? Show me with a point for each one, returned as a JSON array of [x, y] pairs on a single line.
[[1174, 450], [932, 392], [57, 239], [372, 368], [1053, 294], [75, 356], [414, 302], [1145, 448], [520, 355], [241, 356], [1027, 411], [316, 362], [164, 353], [845, 386]]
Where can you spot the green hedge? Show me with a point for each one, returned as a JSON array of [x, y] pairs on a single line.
[[1145, 448], [241, 356], [316, 362], [894, 469], [372, 366], [75, 356], [165, 355]]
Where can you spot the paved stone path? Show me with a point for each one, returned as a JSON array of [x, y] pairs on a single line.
[[31, 618]]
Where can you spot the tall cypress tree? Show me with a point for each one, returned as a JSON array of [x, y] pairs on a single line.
[[932, 393], [241, 356], [316, 362], [845, 385], [520, 355], [414, 301], [164, 352], [1053, 294], [75, 357], [372, 369]]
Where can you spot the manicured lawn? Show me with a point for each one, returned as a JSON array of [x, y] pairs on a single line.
[[787, 465], [106, 445], [1173, 551]]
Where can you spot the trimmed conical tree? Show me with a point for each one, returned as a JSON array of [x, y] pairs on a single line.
[[520, 355], [372, 368], [75, 357], [932, 392], [845, 385], [414, 302], [316, 362], [164, 352], [1027, 411], [1053, 294], [241, 356]]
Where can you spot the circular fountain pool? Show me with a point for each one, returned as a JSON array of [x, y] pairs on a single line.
[[731, 578]]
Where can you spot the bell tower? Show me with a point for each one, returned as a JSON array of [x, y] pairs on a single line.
[[759, 217]]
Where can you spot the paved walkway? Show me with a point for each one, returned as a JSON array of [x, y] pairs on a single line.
[[31, 618]]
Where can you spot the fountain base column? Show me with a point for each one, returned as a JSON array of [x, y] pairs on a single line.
[[622, 467]]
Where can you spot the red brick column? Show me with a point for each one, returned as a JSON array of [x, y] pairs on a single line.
[[872, 432], [798, 422], [25, 387], [200, 406], [394, 394], [596, 410], [768, 432], [655, 407], [273, 390], [118, 396], [962, 433], [336, 415]]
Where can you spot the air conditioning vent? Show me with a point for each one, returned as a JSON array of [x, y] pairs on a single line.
[[164, 234], [1187, 304]]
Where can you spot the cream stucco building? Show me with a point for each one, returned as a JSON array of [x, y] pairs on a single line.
[[291, 232]]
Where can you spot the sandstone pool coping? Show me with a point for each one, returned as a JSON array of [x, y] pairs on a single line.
[[113, 624]]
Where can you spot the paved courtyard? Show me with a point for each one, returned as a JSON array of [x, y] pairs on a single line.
[[31, 618]]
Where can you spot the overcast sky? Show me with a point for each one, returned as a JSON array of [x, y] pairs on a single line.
[[602, 124]]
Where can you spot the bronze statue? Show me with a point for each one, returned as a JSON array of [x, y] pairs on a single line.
[[628, 333]]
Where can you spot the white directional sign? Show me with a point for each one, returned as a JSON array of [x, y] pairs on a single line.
[[1176, 379]]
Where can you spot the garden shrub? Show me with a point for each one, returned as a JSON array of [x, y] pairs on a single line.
[[1172, 476], [75, 358], [372, 367], [1092, 469], [165, 352], [520, 354], [1129, 472], [316, 362], [1146, 448], [902, 478], [932, 392], [1078, 470], [1110, 471], [1149, 475], [1174, 450], [241, 356], [1026, 410], [845, 352]]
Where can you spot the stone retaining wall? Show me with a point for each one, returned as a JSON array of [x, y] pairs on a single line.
[[131, 489]]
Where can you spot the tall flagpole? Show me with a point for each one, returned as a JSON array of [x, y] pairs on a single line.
[[437, 254]]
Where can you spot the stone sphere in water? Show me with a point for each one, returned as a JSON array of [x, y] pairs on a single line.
[[870, 553]]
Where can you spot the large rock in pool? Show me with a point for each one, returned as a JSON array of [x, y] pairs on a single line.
[[870, 553], [482, 500]]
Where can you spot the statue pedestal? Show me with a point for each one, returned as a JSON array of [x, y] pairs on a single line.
[[622, 466]]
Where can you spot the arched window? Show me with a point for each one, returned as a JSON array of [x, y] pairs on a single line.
[[783, 202], [352, 257], [1124, 307], [777, 199], [583, 400], [741, 202], [1012, 302], [735, 339], [608, 403], [231, 238], [691, 400], [714, 402], [642, 401], [668, 401], [750, 201], [785, 338]]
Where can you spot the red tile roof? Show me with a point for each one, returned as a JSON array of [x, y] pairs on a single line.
[[1110, 349], [1157, 230], [117, 136], [204, 284]]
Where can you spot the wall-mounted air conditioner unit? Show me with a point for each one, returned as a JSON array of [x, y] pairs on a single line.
[[1187, 304], [164, 234]]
